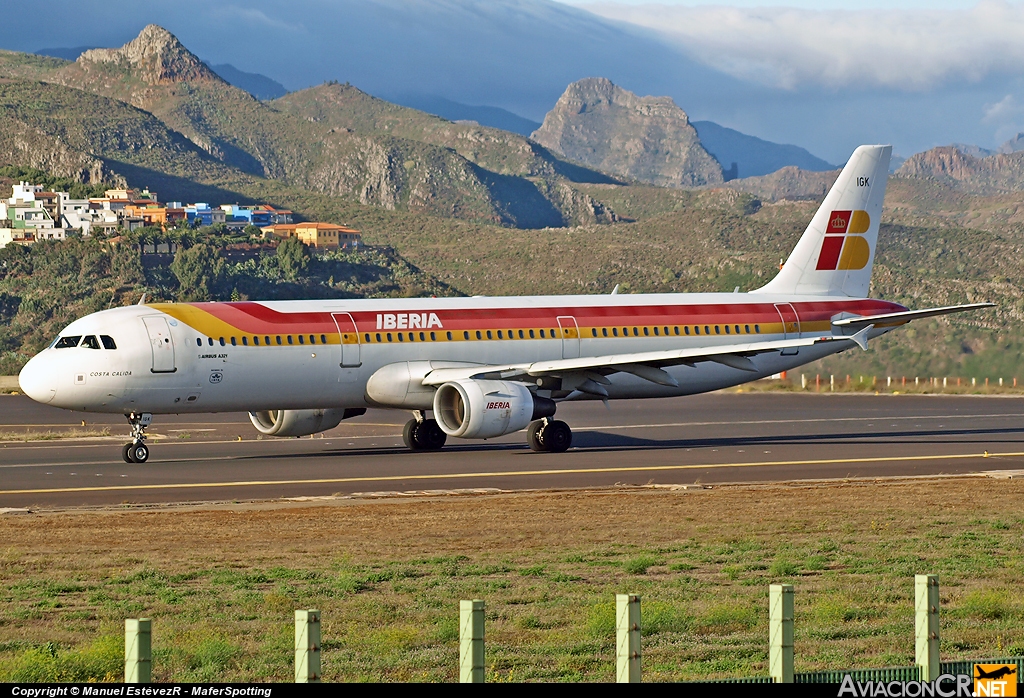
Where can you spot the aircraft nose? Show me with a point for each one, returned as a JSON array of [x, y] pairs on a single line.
[[37, 382]]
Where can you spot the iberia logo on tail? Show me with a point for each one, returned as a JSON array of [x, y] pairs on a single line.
[[844, 246]]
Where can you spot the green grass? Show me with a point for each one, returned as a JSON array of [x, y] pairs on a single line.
[[221, 588]]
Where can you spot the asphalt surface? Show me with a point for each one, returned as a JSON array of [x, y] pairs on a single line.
[[715, 438]]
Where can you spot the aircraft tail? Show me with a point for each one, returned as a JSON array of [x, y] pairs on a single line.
[[835, 254]]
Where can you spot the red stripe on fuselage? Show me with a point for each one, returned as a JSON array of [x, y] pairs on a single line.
[[255, 318]]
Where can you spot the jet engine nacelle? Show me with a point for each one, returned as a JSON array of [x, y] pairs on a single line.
[[482, 409], [300, 422]]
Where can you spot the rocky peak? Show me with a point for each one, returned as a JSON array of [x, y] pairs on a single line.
[[648, 139], [157, 56]]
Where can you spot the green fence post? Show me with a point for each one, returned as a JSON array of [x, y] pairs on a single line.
[[138, 660], [471, 641], [780, 632], [307, 646], [627, 638], [926, 626]]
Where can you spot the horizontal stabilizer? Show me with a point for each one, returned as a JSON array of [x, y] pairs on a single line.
[[892, 319]]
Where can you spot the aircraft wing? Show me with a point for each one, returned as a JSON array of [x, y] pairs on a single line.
[[647, 365], [893, 319]]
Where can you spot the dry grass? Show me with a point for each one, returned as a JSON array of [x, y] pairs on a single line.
[[52, 435], [221, 584]]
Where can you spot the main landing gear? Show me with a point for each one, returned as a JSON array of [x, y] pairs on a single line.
[[137, 451], [550, 435], [421, 434]]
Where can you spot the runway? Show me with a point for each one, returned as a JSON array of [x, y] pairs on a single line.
[[708, 439]]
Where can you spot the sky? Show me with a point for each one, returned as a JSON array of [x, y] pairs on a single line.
[[824, 75]]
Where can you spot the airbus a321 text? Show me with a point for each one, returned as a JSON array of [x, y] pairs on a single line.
[[478, 368]]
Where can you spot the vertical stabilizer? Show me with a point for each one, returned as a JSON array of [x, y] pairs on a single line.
[[835, 254]]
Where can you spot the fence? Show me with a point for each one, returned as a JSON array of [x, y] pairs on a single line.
[[628, 655]]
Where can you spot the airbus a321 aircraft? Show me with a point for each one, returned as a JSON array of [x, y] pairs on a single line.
[[483, 367]]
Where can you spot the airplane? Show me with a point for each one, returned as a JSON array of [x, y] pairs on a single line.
[[482, 367]]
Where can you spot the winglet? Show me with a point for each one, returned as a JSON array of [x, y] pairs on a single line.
[[861, 338]]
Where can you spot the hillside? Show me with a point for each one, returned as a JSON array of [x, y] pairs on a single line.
[[753, 156], [647, 139], [1001, 172], [158, 75]]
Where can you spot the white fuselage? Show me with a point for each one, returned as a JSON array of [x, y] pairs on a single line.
[[215, 357]]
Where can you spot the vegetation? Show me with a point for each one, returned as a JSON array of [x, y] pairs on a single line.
[[48, 285], [221, 584]]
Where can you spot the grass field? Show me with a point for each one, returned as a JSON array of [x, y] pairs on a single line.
[[221, 583]]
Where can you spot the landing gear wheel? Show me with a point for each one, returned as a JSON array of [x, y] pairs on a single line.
[[139, 453], [430, 435], [556, 436], [533, 436], [424, 436], [409, 435]]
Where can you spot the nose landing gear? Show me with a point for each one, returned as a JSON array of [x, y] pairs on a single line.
[[550, 435], [137, 451]]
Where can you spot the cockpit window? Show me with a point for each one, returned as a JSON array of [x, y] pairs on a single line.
[[108, 341], [67, 342], [91, 342]]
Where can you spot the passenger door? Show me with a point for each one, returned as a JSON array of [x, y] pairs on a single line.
[[570, 337], [161, 343], [348, 336]]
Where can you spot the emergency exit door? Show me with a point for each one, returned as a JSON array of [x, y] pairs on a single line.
[[161, 343], [570, 337]]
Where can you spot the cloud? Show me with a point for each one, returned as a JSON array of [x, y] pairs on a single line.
[[255, 16], [1006, 116], [913, 50]]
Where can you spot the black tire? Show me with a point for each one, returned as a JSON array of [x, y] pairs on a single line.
[[430, 435], [556, 437], [139, 453], [533, 436], [126, 453], [410, 435]]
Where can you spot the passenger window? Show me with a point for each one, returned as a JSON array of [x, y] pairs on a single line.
[[199, 342], [302, 339], [312, 339], [636, 332], [400, 337], [423, 337], [266, 340], [323, 339], [677, 330], [290, 340], [433, 336], [746, 328], [718, 330], [91, 342], [707, 329], [378, 336], [449, 335], [222, 342], [615, 331], [256, 341], [520, 334], [737, 329], [108, 341], [478, 336], [465, 335], [278, 339], [210, 339], [542, 334], [234, 342], [389, 336], [245, 341], [686, 329], [531, 334], [726, 329], [757, 329], [593, 331], [604, 331]]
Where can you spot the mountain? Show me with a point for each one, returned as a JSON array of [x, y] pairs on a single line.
[[495, 117], [753, 156], [648, 139], [259, 86], [982, 175], [791, 183], [156, 74], [1013, 145]]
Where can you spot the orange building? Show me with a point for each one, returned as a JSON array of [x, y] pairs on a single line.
[[155, 215], [320, 235]]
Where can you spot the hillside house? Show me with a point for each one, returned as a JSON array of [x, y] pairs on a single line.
[[319, 235]]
